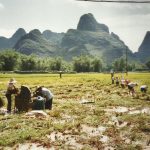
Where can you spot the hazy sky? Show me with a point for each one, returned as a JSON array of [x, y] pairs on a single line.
[[129, 21]]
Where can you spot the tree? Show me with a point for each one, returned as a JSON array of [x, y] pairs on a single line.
[[96, 65], [42, 64], [56, 64], [116, 65], [9, 60], [121, 64], [82, 64], [28, 63]]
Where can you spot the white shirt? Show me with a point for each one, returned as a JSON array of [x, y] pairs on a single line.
[[122, 81], [132, 84], [47, 93], [144, 86]]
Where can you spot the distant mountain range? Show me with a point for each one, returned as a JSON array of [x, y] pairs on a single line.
[[143, 53], [90, 38], [35, 43], [10, 42]]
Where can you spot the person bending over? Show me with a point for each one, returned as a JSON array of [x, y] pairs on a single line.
[[47, 94], [131, 86], [143, 88]]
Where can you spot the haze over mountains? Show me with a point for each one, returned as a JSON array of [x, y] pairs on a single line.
[[90, 38]]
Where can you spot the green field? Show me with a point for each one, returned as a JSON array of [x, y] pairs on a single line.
[[114, 119]]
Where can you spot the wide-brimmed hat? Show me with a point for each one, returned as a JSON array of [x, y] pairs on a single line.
[[12, 80]]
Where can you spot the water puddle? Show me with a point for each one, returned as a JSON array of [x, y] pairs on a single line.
[[108, 148], [72, 140], [128, 110], [30, 146], [114, 121], [104, 139], [142, 111], [117, 109], [68, 139], [64, 119], [85, 101], [91, 131]]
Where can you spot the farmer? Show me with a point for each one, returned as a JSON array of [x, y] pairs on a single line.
[[60, 74], [11, 89], [127, 82], [112, 73], [131, 86], [47, 94], [113, 79], [123, 83], [117, 80], [144, 88]]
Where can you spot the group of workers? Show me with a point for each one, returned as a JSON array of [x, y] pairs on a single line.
[[40, 94], [43, 94], [127, 83]]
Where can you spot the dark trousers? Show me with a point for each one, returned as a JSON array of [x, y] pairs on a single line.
[[117, 83], [143, 90], [8, 96], [48, 104], [112, 81]]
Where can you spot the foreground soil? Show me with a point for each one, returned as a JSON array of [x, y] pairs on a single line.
[[88, 113]]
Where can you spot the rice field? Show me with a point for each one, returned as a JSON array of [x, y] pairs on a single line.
[[89, 113]]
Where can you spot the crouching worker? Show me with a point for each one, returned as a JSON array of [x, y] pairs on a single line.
[[131, 86], [47, 94], [144, 88]]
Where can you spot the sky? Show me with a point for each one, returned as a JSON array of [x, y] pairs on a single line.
[[129, 21]]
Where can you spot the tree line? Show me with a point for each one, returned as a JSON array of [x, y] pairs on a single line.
[[11, 60]]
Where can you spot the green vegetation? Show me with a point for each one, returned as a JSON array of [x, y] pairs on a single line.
[[114, 115], [12, 61], [148, 64]]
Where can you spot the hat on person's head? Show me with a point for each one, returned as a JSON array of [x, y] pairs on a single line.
[[12, 80], [39, 98]]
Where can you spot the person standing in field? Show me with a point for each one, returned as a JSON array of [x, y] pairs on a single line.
[[113, 79], [112, 73], [60, 74], [117, 81], [11, 89], [123, 83]]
